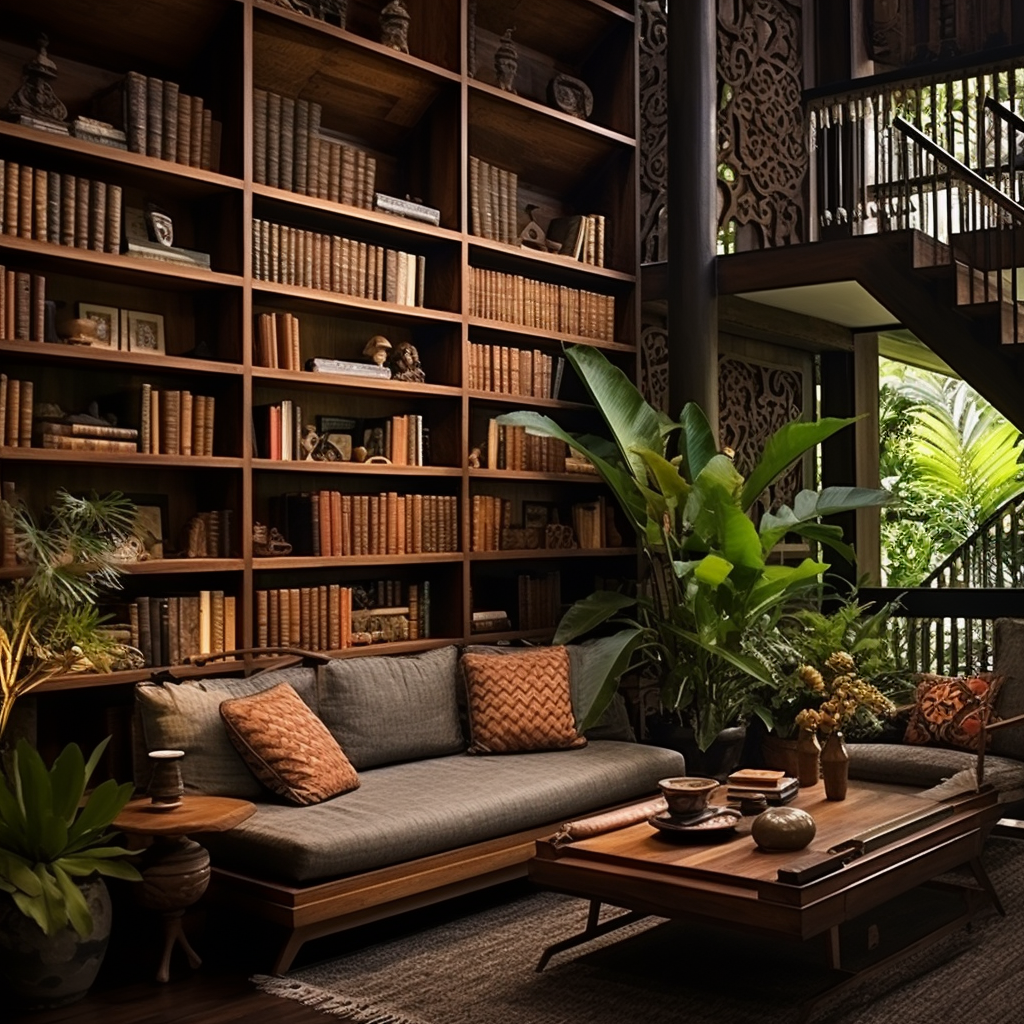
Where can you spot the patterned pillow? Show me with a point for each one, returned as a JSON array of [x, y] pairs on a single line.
[[287, 747], [949, 711], [520, 702]]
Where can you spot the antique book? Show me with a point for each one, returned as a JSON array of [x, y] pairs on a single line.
[[205, 622], [259, 136], [474, 196], [3, 409], [184, 129], [484, 200], [25, 205], [145, 422], [90, 444], [314, 149], [154, 117], [22, 306], [3, 193], [38, 329], [11, 185], [360, 182], [348, 175], [12, 426], [52, 206], [136, 89], [334, 151], [300, 146], [186, 415], [98, 215], [89, 430], [40, 206], [68, 208], [82, 190], [196, 145], [113, 226], [288, 160], [169, 140]]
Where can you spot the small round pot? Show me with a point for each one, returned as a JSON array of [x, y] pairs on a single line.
[[687, 794], [40, 972], [783, 828]]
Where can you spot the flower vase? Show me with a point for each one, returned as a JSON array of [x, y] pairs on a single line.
[[835, 766], [808, 755]]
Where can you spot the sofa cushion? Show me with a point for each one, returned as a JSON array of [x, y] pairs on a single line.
[[949, 711], [1008, 641], [186, 716], [924, 767], [383, 709], [413, 810], [287, 747], [520, 703]]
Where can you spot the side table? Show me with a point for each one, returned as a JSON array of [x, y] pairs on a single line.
[[176, 869]]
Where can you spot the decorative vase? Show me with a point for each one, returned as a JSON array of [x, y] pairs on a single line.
[[808, 753], [41, 971], [835, 766], [783, 828], [780, 754], [717, 762]]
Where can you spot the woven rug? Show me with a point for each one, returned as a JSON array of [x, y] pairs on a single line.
[[479, 969]]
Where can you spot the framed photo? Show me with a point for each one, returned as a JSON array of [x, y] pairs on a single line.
[[145, 332], [108, 323], [537, 514], [151, 524]]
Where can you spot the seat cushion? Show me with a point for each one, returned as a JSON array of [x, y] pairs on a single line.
[[382, 709], [412, 810], [186, 716]]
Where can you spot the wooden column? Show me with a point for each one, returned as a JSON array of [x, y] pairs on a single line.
[[839, 452], [693, 206], [868, 539]]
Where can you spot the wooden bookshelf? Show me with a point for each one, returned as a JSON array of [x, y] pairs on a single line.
[[418, 117]]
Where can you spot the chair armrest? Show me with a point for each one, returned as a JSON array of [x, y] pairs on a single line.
[[986, 728]]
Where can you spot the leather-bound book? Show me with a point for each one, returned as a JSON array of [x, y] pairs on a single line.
[[262, 619], [22, 305], [155, 117], [217, 620], [347, 540], [174, 655], [205, 622], [141, 605], [196, 145], [27, 409], [25, 205], [157, 629], [230, 636], [170, 414], [360, 179], [305, 618], [273, 618], [68, 208], [186, 417], [348, 175], [12, 184], [38, 331], [184, 154], [274, 140], [98, 215], [206, 140], [259, 136], [208, 426], [113, 227], [52, 207], [40, 204], [3, 193], [136, 89], [169, 138], [82, 189], [3, 409], [12, 425], [287, 158], [334, 151], [297, 178]]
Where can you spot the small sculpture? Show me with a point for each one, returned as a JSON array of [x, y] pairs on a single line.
[[474, 458], [394, 26], [405, 363], [35, 99], [267, 541], [82, 331], [310, 442], [506, 62], [571, 96], [331, 11], [533, 235], [161, 227], [377, 349], [359, 454]]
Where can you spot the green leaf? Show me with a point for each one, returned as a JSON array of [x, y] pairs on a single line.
[[33, 790], [828, 535], [104, 804], [751, 666], [74, 902], [68, 779], [590, 612], [634, 424], [666, 476], [812, 505], [610, 656], [81, 865], [740, 543], [54, 910], [713, 570], [781, 580], [784, 447], [11, 812], [19, 873], [697, 444], [35, 907]]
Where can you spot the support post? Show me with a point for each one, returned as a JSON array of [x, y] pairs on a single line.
[[867, 458], [693, 206], [839, 452]]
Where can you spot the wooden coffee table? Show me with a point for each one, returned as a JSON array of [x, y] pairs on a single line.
[[731, 882]]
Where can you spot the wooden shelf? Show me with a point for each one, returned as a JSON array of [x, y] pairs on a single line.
[[352, 468], [511, 634], [532, 334], [364, 307], [120, 458], [528, 555], [90, 355], [288, 562], [115, 267], [503, 398], [515, 259], [511, 476], [175, 566], [353, 383]]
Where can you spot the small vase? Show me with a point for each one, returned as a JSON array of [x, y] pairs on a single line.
[[835, 766], [808, 755]]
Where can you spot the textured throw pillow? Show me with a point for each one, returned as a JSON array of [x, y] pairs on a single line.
[[520, 702], [287, 747], [949, 712]]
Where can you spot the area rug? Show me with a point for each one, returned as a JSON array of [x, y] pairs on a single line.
[[479, 969]]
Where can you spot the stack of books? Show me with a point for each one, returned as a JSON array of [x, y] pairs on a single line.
[[777, 786], [90, 437]]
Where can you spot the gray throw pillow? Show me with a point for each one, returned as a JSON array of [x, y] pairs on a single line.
[[186, 716], [392, 708], [1009, 663]]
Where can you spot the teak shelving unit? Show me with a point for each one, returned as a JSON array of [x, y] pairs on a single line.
[[421, 115]]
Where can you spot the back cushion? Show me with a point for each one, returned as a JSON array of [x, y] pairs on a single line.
[[1009, 663], [386, 709], [186, 716]]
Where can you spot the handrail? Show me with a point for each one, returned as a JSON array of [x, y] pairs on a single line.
[[1011, 117], [958, 169]]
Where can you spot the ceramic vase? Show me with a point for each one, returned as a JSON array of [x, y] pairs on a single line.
[[808, 756], [835, 766]]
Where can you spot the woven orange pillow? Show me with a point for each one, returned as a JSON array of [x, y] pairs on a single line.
[[520, 702], [949, 711], [287, 747]]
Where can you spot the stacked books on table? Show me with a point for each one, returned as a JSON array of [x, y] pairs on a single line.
[[777, 786]]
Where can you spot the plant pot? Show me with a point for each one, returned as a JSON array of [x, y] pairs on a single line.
[[808, 758], [780, 754], [717, 762], [835, 766], [40, 972]]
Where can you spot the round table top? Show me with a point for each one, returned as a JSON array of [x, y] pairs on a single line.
[[194, 814]]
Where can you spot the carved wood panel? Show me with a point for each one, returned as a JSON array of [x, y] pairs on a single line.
[[653, 130], [902, 32], [654, 363]]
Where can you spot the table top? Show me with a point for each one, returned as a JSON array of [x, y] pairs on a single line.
[[194, 814]]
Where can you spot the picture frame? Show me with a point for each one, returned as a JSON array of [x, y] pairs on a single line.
[[145, 332], [108, 323], [151, 523]]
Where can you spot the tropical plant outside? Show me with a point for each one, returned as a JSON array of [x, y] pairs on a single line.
[[706, 621]]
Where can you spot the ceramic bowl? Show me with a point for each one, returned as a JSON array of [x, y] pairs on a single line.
[[687, 794]]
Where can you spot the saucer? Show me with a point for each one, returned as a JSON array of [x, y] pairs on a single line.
[[724, 818]]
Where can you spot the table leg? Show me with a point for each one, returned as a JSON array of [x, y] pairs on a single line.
[[593, 930]]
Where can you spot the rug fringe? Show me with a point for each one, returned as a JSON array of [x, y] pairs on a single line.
[[327, 1002]]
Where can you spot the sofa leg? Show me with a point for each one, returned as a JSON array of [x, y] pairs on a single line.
[[296, 940]]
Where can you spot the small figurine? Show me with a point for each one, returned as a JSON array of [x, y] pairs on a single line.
[[394, 26], [474, 458], [405, 363], [161, 227], [533, 235], [571, 96], [35, 100], [267, 541], [359, 454], [506, 62], [377, 349], [310, 442]]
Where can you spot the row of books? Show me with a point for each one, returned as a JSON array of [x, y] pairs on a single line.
[[8, 543], [330, 263], [492, 516], [168, 630], [590, 523], [88, 437], [291, 151], [210, 534], [512, 298], [22, 305], [540, 600], [59, 208], [277, 341], [513, 448], [174, 423], [16, 406], [153, 117], [332, 524], [493, 194], [777, 787], [514, 371]]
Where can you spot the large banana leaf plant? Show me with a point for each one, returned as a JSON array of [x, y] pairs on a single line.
[[49, 838], [705, 619]]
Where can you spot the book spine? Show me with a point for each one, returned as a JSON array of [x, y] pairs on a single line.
[[137, 129], [38, 307], [82, 189], [113, 227], [206, 150], [40, 230], [301, 148], [154, 117], [286, 160], [68, 207], [184, 129], [98, 214], [274, 140], [52, 206], [25, 424], [25, 207], [169, 142], [259, 136]]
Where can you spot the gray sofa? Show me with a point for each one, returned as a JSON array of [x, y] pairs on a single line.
[[427, 821], [940, 772]]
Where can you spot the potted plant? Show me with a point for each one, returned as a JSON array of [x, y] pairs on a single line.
[[54, 853], [705, 620], [49, 620]]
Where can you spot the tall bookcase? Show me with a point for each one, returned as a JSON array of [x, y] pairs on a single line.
[[420, 117]]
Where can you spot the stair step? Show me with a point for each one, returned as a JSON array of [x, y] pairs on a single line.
[[927, 253], [1004, 314], [974, 286], [991, 248]]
